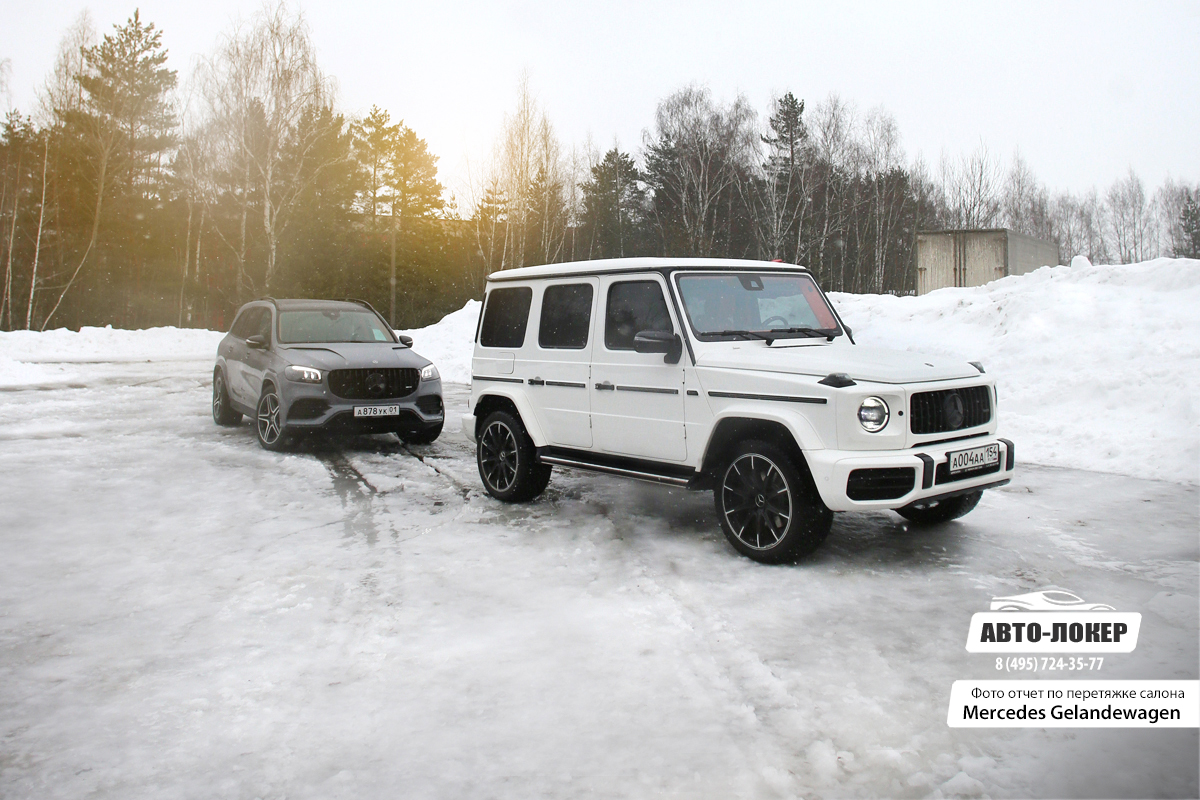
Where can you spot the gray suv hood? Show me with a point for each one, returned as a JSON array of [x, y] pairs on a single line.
[[874, 364], [352, 355]]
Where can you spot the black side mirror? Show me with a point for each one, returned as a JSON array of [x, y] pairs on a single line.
[[404, 340], [660, 342], [256, 342]]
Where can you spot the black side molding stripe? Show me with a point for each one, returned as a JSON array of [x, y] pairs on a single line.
[[568, 384], [927, 472], [1011, 459], [498, 380], [781, 398], [649, 389]]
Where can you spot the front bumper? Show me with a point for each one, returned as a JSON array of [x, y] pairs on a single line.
[[312, 407], [886, 473], [468, 426]]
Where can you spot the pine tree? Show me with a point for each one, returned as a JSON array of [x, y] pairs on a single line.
[[1189, 222], [614, 207]]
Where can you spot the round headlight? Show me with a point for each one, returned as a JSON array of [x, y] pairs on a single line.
[[873, 414]]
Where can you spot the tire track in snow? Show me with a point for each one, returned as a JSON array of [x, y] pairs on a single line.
[[735, 670]]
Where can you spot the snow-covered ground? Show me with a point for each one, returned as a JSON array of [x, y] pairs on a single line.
[[185, 615]]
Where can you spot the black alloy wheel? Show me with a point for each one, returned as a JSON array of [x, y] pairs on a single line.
[[507, 460], [768, 507], [270, 421], [222, 411], [931, 512]]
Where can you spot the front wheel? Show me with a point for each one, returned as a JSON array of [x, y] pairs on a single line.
[[934, 511], [269, 419], [768, 506], [507, 460], [425, 436]]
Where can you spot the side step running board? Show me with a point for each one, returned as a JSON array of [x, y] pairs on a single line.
[[628, 473]]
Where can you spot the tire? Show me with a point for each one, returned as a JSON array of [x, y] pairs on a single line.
[[223, 412], [507, 460], [932, 513], [267, 424], [768, 506], [427, 436]]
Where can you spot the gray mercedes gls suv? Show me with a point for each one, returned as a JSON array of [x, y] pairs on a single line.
[[323, 365]]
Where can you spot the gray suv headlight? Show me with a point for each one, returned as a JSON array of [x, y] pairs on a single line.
[[302, 374], [430, 373], [873, 414]]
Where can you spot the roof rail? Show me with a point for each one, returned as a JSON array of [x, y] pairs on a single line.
[[270, 299], [361, 303]]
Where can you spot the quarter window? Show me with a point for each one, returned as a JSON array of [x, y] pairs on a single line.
[[506, 317], [566, 316], [633, 307]]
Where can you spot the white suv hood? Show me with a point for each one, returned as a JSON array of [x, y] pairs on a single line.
[[874, 364]]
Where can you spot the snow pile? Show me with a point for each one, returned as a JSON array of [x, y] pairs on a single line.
[[1097, 367], [449, 343], [37, 357]]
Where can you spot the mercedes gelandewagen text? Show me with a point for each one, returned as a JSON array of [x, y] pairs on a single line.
[[734, 376], [322, 365]]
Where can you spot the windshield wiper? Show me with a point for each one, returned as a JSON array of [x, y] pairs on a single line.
[[743, 334], [769, 336], [827, 333]]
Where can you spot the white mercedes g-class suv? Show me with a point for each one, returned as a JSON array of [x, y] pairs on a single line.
[[737, 376]]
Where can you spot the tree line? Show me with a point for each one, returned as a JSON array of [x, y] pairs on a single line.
[[129, 199]]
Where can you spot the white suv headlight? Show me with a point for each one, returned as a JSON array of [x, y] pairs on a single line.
[[873, 414], [430, 373], [302, 374]]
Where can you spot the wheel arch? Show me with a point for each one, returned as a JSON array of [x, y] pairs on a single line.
[[733, 428], [515, 404]]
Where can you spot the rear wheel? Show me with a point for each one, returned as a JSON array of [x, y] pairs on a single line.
[[934, 511], [222, 410], [269, 421], [507, 460], [768, 506]]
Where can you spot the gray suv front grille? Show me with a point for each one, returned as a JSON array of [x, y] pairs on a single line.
[[373, 384]]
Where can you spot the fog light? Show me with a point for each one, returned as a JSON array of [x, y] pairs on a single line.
[[873, 414]]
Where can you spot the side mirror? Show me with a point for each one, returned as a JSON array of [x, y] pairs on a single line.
[[256, 342], [660, 342], [404, 340]]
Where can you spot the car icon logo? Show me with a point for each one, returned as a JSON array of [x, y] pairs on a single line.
[[1049, 600]]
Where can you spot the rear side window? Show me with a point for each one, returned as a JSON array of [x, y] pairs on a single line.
[[633, 307], [247, 323], [506, 317], [566, 316]]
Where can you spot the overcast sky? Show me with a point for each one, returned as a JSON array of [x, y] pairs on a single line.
[[1085, 90]]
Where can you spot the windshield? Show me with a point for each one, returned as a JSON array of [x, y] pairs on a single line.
[[719, 305], [324, 327]]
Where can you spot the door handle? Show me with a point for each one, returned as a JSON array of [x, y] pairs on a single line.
[[536, 382], [605, 387]]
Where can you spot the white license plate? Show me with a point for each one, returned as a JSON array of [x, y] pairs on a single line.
[[976, 458], [376, 411]]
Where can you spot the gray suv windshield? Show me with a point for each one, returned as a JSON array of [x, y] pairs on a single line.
[[329, 326], [721, 305]]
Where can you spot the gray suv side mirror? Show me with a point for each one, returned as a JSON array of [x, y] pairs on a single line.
[[256, 342], [660, 342]]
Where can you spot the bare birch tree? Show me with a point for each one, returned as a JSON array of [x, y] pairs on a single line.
[[258, 88]]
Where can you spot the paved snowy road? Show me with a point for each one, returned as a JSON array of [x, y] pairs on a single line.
[[185, 615]]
